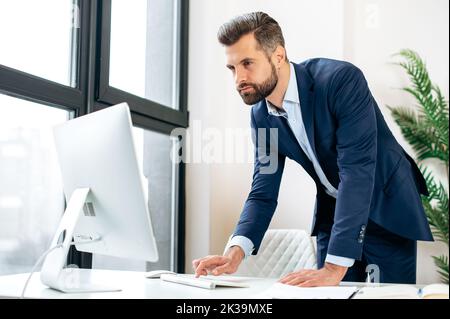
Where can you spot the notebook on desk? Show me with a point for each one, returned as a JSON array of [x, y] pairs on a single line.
[[203, 282], [433, 291]]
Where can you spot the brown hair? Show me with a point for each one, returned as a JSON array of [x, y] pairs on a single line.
[[266, 30]]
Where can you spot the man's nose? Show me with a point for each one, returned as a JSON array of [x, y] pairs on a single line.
[[240, 77]]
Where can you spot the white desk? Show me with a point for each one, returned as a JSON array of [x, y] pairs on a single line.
[[135, 286]]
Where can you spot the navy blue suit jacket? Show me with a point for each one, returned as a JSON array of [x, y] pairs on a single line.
[[374, 176]]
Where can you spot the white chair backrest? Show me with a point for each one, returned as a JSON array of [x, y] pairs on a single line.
[[282, 251]]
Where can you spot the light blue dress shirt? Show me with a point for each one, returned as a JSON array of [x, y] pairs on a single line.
[[292, 112]]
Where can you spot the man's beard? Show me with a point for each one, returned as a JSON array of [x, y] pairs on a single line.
[[261, 91]]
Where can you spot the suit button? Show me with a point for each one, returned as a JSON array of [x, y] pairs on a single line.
[[363, 227], [360, 240]]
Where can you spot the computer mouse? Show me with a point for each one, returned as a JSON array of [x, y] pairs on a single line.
[[158, 273]]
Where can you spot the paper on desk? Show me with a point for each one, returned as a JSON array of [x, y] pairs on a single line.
[[389, 292], [282, 291]]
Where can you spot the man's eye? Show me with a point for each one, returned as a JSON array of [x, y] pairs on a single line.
[[247, 63]]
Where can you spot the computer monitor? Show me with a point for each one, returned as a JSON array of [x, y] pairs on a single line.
[[107, 212]]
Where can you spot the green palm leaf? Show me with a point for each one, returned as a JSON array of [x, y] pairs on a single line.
[[442, 263], [426, 128]]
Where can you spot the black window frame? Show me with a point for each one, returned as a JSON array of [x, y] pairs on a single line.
[[146, 107], [92, 92]]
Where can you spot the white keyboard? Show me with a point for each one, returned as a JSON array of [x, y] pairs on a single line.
[[203, 282]]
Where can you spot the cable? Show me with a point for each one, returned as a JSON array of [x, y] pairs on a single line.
[[48, 251]]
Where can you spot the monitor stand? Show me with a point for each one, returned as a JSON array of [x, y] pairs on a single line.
[[53, 273]]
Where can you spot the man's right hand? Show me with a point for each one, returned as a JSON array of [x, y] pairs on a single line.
[[218, 265]]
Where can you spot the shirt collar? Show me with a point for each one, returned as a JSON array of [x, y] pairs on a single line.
[[291, 94], [292, 90]]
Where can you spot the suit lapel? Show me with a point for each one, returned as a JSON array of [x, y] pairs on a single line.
[[305, 85]]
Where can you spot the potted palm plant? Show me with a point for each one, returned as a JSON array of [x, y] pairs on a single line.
[[426, 128]]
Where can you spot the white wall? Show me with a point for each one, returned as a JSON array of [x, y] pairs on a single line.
[[216, 192]]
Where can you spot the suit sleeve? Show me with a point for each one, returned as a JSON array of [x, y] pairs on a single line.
[[263, 197], [356, 137]]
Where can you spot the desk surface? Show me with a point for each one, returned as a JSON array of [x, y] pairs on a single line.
[[134, 285]]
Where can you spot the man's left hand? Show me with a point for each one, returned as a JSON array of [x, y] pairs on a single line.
[[329, 275]]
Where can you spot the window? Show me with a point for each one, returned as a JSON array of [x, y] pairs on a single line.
[[144, 57], [37, 38], [31, 197], [66, 58]]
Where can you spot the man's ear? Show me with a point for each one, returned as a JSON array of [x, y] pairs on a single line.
[[280, 55]]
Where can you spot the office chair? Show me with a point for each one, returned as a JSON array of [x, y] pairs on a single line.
[[282, 251]]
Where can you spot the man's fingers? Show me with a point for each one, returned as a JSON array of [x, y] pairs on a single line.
[[285, 279], [312, 278], [201, 273], [209, 263], [293, 275], [195, 263], [299, 276], [227, 269], [298, 279], [212, 262], [288, 277], [310, 283]]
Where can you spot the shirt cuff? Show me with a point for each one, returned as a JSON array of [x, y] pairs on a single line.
[[340, 261], [243, 242]]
